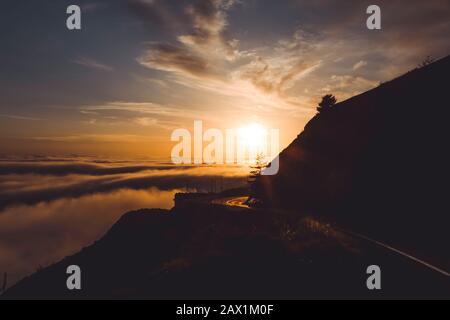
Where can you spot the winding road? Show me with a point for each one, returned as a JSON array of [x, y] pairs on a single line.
[[239, 202]]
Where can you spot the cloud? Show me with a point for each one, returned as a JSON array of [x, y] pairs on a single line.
[[147, 114], [101, 138], [202, 46], [180, 60], [51, 207], [147, 108], [205, 57], [209, 22], [56, 169], [146, 122], [91, 63], [35, 183], [346, 86], [16, 117], [359, 65], [271, 71], [275, 77], [196, 24]]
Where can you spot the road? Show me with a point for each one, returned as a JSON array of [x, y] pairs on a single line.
[[239, 202]]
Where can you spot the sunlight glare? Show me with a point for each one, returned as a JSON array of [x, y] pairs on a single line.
[[254, 137]]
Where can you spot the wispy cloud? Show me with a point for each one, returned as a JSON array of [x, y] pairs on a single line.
[[146, 114], [346, 86], [91, 63], [261, 76], [273, 77], [359, 65], [146, 122], [295, 69], [17, 117], [176, 59], [113, 138], [209, 22]]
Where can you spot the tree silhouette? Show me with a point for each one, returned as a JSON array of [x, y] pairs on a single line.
[[327, 103], [254, 178]]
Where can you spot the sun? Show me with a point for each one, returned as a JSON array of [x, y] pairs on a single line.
[[253, 137]]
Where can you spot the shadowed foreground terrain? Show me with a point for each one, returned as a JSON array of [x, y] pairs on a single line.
[[207, 251]]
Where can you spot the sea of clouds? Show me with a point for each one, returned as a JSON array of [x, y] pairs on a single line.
[[52, 207]]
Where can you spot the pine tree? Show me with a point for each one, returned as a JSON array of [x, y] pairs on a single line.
[[254, 178], [327, 103]]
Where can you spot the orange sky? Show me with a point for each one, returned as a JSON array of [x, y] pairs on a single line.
[[139, 69]]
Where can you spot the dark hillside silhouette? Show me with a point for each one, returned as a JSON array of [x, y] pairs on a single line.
[[212, 252], [378, 161]]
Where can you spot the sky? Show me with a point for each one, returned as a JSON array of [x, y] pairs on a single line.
[[86, 116], [139, 69]]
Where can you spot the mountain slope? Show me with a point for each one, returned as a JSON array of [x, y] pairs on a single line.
[[213, 252], [377, 161]]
